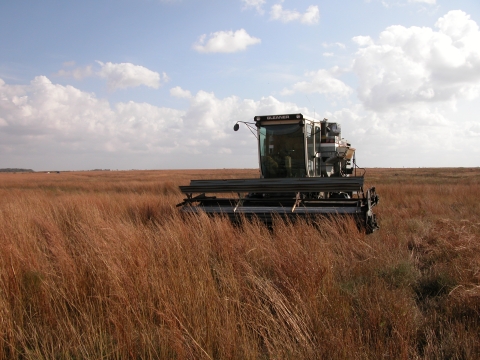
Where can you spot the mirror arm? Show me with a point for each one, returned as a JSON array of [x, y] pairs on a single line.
[[249, 125]]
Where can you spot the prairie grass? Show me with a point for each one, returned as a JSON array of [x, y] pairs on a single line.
[[102, 265]]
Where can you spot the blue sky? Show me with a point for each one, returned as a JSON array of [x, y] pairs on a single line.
[[151, 84]]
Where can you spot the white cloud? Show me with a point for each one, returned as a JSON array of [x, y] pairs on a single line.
[[310, 17], [414, 65], [61, 121], [254, 4], [225, 42], [43, 109], [117, 75], [124, 75], [177, 91], [322, 82], [43, 114]]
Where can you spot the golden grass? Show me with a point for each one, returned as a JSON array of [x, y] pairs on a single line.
[[102, 265]]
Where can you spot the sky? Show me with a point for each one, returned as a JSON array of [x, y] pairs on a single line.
[[157, 84]]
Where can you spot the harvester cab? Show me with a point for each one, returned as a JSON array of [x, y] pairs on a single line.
[[306, 168], [294, 146]]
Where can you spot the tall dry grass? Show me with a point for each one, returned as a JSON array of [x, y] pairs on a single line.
[[102, 265]]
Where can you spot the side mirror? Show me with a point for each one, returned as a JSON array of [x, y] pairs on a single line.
[[236, 127]]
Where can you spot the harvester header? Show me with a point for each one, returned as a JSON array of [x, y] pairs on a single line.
[[306, 168]]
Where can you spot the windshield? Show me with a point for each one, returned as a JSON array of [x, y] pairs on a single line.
[[282, 151]]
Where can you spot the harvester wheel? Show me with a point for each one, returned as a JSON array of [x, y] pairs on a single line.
[[370, 222]]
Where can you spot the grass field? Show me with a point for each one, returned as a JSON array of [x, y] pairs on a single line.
[[100, 265]]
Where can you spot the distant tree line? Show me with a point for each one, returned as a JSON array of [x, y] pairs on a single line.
[[16, 170]]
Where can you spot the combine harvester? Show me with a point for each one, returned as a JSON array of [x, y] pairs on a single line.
[[306, 168]]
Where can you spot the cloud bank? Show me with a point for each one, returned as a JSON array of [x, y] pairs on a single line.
[[56, 120]]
